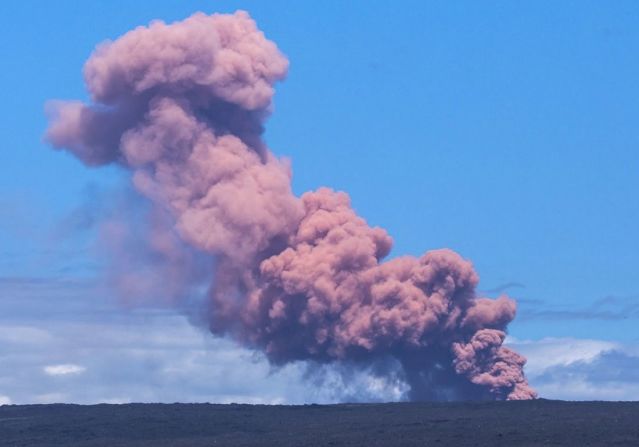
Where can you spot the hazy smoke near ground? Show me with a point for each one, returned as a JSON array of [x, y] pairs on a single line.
[[182, 107]]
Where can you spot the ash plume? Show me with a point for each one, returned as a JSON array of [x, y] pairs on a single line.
[[182, 106]]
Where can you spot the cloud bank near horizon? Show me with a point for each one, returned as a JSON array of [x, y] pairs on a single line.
[[132, 358]]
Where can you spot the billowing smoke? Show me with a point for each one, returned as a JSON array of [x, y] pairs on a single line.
[[181, 106]]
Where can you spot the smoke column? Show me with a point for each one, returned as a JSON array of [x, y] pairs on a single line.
[[182, 106]]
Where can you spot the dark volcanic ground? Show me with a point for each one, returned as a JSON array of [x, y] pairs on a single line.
[[532, 423]]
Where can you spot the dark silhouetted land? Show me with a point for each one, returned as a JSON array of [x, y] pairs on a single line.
[[532, 423]]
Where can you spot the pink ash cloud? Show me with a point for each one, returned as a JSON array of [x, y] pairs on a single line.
[[181, 107]]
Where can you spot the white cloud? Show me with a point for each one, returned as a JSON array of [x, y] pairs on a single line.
[[5, 400], [581, 369], [580, 389], [114, 400], [550, 352], [64, 370]]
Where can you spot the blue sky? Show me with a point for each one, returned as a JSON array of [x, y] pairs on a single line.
[[505, 131]]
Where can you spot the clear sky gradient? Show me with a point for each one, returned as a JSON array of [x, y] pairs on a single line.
[[506, 131]]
